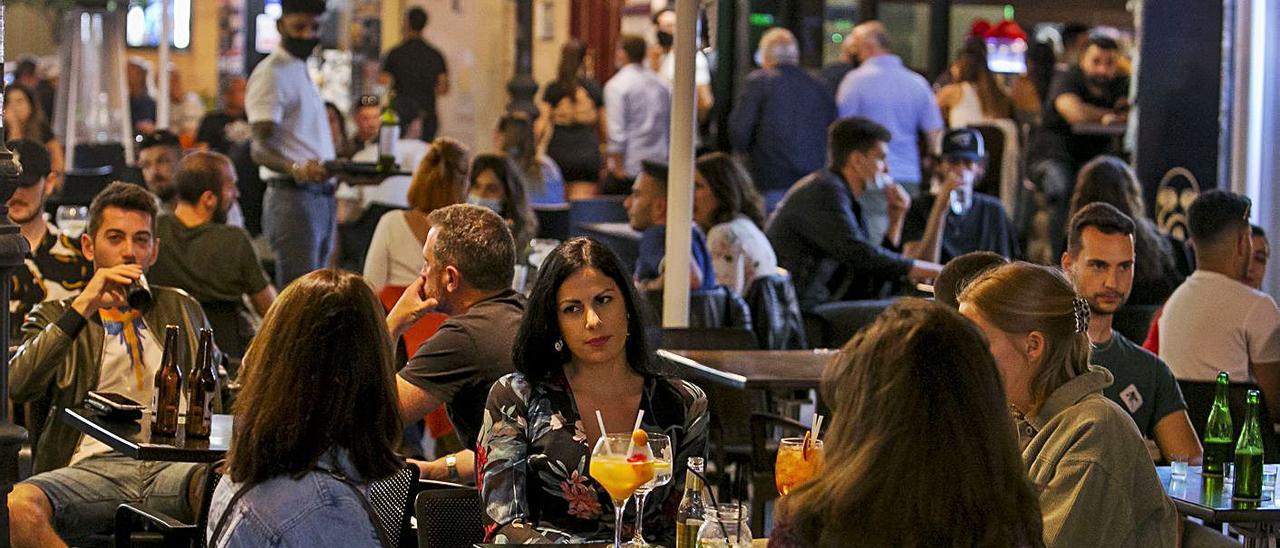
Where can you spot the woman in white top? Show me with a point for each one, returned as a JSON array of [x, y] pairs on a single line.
[[395, 254], [974, 96], [727, 206]]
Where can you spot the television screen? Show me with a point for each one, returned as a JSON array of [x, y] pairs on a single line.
[[142, 24], [1007, 55]]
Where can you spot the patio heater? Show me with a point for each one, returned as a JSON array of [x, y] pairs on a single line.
[[13, 251]]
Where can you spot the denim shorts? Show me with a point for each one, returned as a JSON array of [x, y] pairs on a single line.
[[85, 495]]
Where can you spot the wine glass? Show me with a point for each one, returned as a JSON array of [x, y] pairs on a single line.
[[796, 463], [660, 447], [620, 467]]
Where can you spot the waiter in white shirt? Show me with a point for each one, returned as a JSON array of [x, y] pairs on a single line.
[[290, 144]]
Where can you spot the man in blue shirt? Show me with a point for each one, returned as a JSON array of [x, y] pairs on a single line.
[[638, 104], [890, 94], [780, 121], [647, 212]]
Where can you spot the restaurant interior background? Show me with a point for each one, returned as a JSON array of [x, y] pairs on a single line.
[[1207, 70]]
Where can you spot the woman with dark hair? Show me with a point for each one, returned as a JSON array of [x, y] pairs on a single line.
[[496, 184], [24, 119], [1030, 89], [572, 123], [973, 96], [316, 421], [580, 350], [342, 146], [1157, 270], [920, 450], [1083, 452], [544, 184], [727, 207]]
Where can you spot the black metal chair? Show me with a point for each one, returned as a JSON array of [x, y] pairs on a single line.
[[138, 524], [448, 516], [553, 221], [392, 501], [1199, 396], [603, 209]]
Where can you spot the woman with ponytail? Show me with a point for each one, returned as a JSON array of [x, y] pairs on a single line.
[[395, 253], [1083, 453]]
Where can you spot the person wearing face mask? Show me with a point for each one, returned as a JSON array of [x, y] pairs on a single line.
[[1091, 92], [952, 219], [664, 63], [289, 129], [207, 258], [818, 230], [496, 185]]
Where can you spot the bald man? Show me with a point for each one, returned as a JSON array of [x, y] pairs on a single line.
[[780, 120]]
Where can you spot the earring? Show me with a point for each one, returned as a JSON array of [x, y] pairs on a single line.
[[559, 345]]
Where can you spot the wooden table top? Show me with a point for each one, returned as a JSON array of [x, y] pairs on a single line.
[[754, 369], [133, 438]]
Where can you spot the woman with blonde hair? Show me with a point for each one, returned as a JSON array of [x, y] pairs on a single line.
[[1082, 451], [920, 451], [395, 253]]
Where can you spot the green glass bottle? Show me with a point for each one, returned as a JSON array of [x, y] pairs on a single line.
[[1218, 433], [388, 135], [1249, 453]]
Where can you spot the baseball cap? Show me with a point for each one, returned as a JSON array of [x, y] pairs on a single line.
[[34, 159], [964, 143]]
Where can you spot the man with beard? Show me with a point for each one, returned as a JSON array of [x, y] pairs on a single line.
[[468, 263], [201, 254], [1092, 92], [289, 122], [158, 156], [1100, 261], [55, 268]]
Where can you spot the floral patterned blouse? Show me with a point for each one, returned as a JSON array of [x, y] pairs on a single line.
[[533, 461]]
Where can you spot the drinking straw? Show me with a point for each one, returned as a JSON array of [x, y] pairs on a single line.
[[600, 421], [817, 425], [631, 443]]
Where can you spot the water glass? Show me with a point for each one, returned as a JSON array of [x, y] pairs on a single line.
[[72, 220], [1178, 468], [1269, 480]]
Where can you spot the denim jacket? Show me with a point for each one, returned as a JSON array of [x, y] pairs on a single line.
[[315, 510]]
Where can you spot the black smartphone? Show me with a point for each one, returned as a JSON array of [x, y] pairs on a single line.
[[110, 405]]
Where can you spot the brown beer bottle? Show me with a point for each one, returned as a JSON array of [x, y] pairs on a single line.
[[203, 388], [168, 389]]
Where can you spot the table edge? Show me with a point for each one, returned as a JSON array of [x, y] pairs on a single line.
[[734, 379]]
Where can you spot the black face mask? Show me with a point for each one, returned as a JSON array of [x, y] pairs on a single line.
[[666, 39], [299, 47]]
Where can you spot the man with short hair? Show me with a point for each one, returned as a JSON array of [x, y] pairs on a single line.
[[223, 129], [1091, 92], [1214, 322], [367, 115], [887, 92], [291, 144], [468, 264], [647, 212], [158, 155], [664, 26], [639, 115], [95, 341], [780, 119], [952, 219], [207, 258], [1100, 260], [818, 230], [417, 72], [55, 269]]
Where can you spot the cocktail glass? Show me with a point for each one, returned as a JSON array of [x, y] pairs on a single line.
[[796, 463], [660, 447], [620, 471]]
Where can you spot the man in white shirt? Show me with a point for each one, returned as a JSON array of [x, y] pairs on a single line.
[[1213, 322], [291, 144], [664, 63]]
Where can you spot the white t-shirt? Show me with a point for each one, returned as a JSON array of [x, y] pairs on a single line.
[[701, 73], [741, 253], [280, 91], [118, 373], [395, 254], [1213, 323]]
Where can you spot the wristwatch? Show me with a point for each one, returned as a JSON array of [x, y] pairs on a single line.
[[451, 464]]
